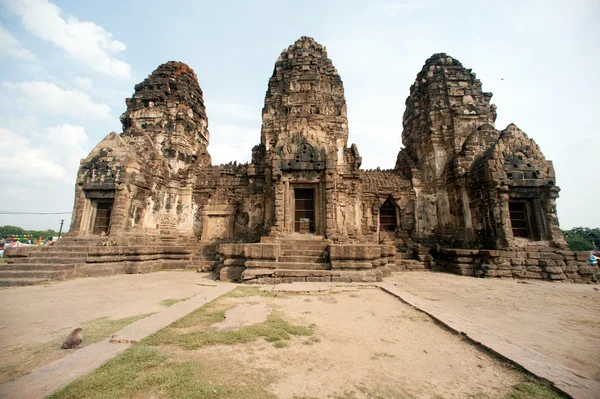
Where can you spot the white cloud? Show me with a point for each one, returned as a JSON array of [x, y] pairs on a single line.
[[11, 47], [53, 155], [406, 6], [48, 98], [236, 111], [232, 143], [83, 83], [82, 40]]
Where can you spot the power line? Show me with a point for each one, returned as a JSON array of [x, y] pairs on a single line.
[[33, 213]]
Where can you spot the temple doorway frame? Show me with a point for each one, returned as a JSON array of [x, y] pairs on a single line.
[[318, 227]]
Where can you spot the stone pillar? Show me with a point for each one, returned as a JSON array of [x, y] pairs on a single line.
[[120, 210]]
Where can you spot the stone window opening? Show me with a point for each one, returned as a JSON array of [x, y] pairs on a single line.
[[388, 220], [101, 216], [522, 224]]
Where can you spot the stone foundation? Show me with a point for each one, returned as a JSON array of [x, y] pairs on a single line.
[[535, 262], [305, 261], [100, 257]]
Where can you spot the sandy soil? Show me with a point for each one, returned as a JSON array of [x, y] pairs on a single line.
[[38, 313], [559, 320], [367, 343]]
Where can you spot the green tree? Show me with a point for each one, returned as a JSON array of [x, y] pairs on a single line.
[[579, 244], [582, 238], [11, 231]]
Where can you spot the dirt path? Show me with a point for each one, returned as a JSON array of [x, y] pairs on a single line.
[[559, 320], [38, 313], [366, 344]]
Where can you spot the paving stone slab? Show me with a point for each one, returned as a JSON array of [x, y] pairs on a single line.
[[563, 378]]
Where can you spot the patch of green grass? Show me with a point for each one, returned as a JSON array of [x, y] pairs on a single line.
[[2, 260], [202, 317], [244, 292], [30, 356], [274, 329], [533, 388], [172, 301], [312, 340], [346, 395], [96, 330], [143, 371], [477, 395]]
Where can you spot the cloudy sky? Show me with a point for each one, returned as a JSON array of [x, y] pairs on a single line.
[[66, 68]]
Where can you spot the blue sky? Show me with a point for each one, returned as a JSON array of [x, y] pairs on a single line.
[[66, 68]]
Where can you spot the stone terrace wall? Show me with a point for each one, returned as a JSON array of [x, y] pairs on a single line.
[[535, 262]]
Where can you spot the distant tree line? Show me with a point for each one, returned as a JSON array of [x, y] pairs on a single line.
[[582, 238], [12, 231]]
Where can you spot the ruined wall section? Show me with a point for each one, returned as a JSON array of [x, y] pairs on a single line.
[[377, 186], [230, 204], [445, 106]]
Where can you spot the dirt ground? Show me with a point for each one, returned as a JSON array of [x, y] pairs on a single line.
[[38, 313], [366, 344], [559, 320]]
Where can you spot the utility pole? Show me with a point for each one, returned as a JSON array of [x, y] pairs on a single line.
[[61, 225]]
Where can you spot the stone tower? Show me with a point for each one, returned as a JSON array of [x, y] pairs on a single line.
[[141, 181], [466, 175], [303, 143]]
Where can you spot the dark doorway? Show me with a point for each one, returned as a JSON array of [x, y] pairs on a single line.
[[304, 214], [520, 219], [102, 218], [387, 216]]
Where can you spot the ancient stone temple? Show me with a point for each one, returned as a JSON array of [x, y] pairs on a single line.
[[463, 197]]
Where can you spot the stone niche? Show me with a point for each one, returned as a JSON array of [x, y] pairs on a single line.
[[217, 222]]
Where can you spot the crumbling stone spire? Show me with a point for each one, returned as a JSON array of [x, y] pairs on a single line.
[[305, 98], [168, 107], [446, 104]]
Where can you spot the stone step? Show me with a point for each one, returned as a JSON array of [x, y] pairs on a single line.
[[178, 264], [303, 265], [58, 254], [410, 264], [16, 282], [48, 261], [26, 266], [303, 252], [302, 273], [304, 246], [302, 258], [44, 274]]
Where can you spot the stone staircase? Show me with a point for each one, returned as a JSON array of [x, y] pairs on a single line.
[[99, 256], [301, 260], [289, 260], [34, 265]]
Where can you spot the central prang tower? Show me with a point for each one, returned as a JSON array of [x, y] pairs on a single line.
[[303, 146]]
